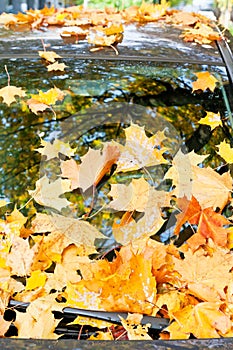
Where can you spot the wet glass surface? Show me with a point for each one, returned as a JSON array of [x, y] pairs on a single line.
[[94, 89], [150, 40], [94, 85]]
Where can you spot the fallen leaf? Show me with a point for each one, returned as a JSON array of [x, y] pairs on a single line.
[[49, 97], [181, 172], [9, 92], [56, 66], [209, 223], [44, 100], [203, 275], [225, 151], [130, 197], [146, 226], [49, 56], [210, 188], [204, 81], [78, 231], [94, 165], [36, 106], [204, 320], [52, 149], [211, 119], [21, 256], [37, 279], [139, 150], [37, 322], [48, 193], [135, 330]]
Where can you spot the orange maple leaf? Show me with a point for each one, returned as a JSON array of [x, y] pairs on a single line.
[[205, 81], [210, 224]]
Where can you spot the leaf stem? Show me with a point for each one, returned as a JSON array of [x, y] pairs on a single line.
[[8, 76]]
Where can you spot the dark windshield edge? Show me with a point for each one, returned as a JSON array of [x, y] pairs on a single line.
[[122, 58], [227, 58]]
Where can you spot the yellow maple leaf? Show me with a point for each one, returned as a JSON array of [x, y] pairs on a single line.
[[37, 279], [49, 56], [149, 224], [56, 66], [9, 92], [49, 97], [225, 151], [130, 197], [211, 119], [43, 100], [204, 81], [138, 195], [203, 320], [79, 295], [210, 188], [205, 276], [21, 256], [38, 321], [135, 330]]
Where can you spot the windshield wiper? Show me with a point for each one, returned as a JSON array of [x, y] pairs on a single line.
[[157, 323]]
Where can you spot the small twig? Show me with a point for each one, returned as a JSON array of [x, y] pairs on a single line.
[[115, 49], [43, 44], [8, 76], [80, 332]]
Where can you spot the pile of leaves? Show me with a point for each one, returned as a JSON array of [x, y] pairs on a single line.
[[105, 27], [53, 260]]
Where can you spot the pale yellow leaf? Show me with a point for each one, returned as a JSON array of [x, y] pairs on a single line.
[[210, 188], [36, 106], [149, 224], [49, 56], [78, 231], [139, 150], [181, 172], [21, 256], [48, 193], [8, 93], [95, 164], [56, 66], [52, 150]]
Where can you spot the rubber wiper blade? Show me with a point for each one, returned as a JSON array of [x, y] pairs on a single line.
[[156, 323]]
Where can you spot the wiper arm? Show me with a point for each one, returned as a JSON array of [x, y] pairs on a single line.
[[157, 323]]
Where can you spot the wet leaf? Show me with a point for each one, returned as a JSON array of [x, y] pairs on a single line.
[[211, 119], [204, 81], [49, 56], [9, 93], [94, 165], [225, 151], [48, 193]]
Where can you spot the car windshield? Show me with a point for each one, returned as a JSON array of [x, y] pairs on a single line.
[[157, 77], [102, 143]]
